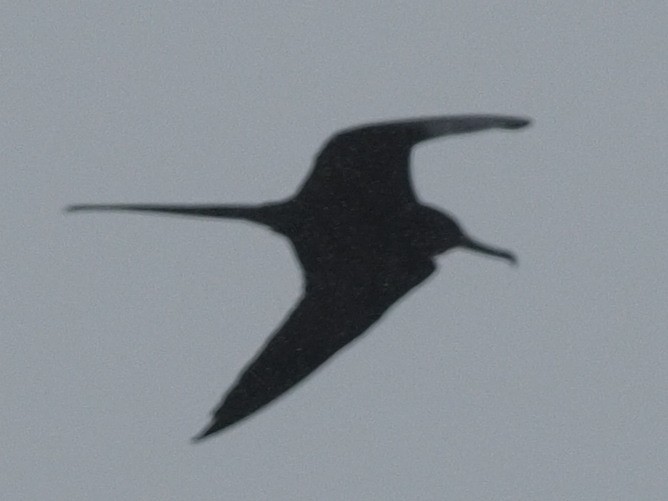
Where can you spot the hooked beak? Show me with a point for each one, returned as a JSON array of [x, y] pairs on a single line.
[[471, 244]]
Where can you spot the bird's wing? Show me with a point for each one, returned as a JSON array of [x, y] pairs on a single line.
[[325, 320], [369, 164]]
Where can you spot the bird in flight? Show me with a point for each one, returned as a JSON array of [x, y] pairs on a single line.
[[363, 239]]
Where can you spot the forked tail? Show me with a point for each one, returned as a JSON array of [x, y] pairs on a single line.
[[270, 214]]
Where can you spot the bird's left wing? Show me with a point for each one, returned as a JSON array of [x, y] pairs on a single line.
[[326, 319], [368, 166]]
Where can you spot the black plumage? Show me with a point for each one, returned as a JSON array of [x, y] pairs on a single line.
[[363, 240]]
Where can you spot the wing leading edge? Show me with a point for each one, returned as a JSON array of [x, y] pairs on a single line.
[[325, 320], [371, 162]]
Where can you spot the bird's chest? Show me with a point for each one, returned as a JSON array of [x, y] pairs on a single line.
[[355, 246]]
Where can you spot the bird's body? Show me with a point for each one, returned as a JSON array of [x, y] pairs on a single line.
[[362, 238]]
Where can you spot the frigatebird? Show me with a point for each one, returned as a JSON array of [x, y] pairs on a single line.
[[363, 239]]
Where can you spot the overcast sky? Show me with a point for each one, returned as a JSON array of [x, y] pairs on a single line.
[[121, 332]]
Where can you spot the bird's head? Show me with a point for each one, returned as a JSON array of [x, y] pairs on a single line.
[[446, 234]]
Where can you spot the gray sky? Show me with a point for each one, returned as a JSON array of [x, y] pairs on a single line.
[[121, 332]]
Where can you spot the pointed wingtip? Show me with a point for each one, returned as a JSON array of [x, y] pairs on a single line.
[[209, 430], [197, 438], [200, 436], [97, 207], [84, 207], [517, 122]]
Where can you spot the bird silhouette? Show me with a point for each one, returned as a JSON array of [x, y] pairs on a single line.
[[363, 239]]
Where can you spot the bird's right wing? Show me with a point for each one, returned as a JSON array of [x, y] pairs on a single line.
[[326, 319], [369, 164]]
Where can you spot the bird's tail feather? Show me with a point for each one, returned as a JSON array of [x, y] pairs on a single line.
[[263, 214]]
